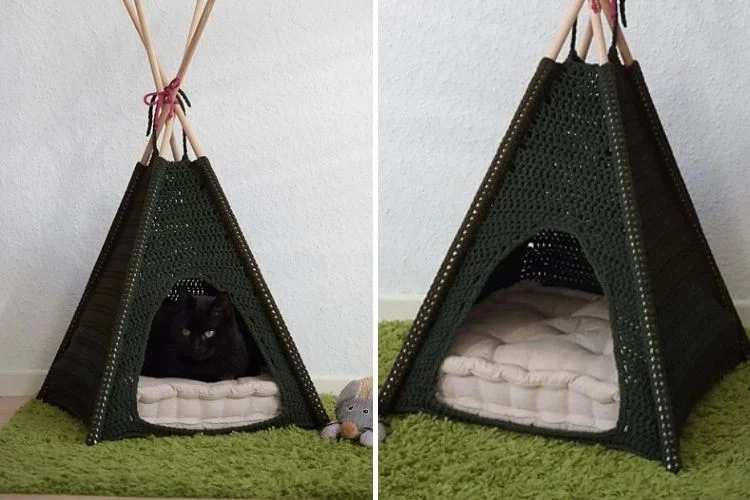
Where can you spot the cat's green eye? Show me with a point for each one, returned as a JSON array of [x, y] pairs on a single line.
[[185, 332], [209, 334]]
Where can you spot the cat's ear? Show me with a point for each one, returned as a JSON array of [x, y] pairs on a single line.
[[222, 307], [184, 299]]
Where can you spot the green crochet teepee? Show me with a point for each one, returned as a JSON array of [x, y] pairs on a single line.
[[584, 193], [174, 226]]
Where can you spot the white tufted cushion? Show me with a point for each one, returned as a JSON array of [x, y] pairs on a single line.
[[538, 356], [192, 404]]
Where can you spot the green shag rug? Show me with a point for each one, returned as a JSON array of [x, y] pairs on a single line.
[[42, 451], [434, 458]]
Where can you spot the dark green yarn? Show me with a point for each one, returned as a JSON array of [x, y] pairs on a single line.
[[584, 193], [174, 224]]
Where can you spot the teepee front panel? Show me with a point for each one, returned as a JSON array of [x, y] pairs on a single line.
[[184, 230], [193, 234]]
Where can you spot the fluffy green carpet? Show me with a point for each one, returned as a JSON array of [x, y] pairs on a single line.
[[42, 451], [430, 457]]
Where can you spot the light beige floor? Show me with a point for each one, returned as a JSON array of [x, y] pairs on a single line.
[[8, 406]]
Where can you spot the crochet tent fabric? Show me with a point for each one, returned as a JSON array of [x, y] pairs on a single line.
[[584, 193], [174, 227]]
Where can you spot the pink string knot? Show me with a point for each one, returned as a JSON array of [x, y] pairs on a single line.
[[612, 9], [166, 97]]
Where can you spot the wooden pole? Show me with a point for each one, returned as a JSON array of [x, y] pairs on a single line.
[[184, 122], [197, 14], [588, 35], [200, 6], [622, 44], [596, 23], [187, 58], [157, 75], [565, 28]]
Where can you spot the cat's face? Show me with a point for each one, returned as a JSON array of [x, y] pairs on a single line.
[[200, 324]]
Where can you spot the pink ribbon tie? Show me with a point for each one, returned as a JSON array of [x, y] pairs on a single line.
[[166, 97], [612, 9]]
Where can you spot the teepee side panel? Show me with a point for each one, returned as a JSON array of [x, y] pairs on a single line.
[[74, 379], [187, 239], [700, 332]]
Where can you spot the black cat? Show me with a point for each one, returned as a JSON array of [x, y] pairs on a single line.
[[199, 337]]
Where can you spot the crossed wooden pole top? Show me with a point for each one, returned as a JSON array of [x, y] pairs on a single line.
[[594, 31], [165, 123]]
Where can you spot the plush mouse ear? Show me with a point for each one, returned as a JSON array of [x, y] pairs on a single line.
[[184, 299], [222, 307]]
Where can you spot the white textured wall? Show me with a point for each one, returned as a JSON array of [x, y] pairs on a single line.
[[452, 74], [282, 96]]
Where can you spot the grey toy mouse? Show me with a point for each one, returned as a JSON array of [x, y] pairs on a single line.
[[354, 414]]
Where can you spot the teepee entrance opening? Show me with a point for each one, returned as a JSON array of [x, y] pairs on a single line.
[[536, 348], [203, 368]]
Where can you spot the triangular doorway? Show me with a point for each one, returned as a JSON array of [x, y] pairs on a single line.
[[174, 226], [584, 194]]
